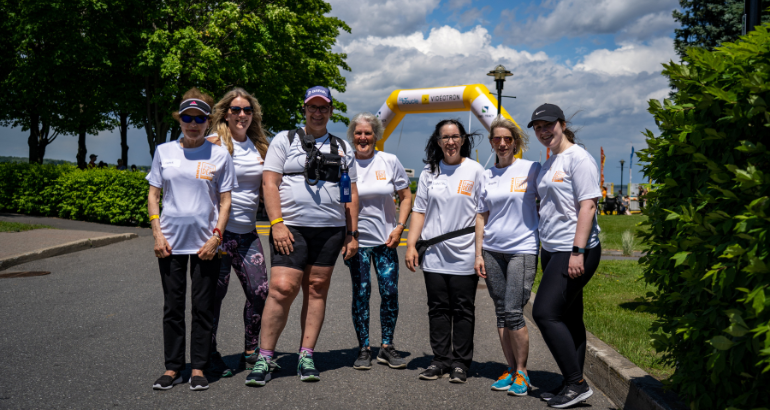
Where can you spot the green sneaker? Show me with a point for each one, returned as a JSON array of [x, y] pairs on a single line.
[[261, 372], [306, 368]]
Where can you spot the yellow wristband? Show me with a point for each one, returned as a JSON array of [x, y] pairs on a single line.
[[276, 221], [154, 217]]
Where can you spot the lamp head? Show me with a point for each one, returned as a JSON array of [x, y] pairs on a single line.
[[500, 73]]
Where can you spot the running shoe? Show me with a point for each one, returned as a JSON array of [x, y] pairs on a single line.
[[520, 385], [166, 382], [306, 368], [433, 372], [218, 367], [503, 382], [364, 359], [247, 360], [553, 393], [571, 395], [199, 383], [261, 372], [390, 356], [457, 376]]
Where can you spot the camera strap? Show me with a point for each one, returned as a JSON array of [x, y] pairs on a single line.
[[307, 142]]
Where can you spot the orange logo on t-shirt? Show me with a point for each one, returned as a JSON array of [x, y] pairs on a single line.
[[380, 175], [519, 184], [465, 188], [558, 176], [205, 171]]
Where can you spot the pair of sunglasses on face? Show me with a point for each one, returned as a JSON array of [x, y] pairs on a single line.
[[237, 110], [199, 119]]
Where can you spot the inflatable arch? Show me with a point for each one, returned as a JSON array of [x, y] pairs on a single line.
[[473, 97]]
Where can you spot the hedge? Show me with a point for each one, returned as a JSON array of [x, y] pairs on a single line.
[[708, 239], [103, 195]]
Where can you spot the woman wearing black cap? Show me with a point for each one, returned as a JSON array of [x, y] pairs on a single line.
[[568, 185], [196, 177]]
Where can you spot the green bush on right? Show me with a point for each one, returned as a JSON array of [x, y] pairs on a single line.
[[708, 239]]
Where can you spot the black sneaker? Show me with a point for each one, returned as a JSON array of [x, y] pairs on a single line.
[[198, 383], [261, 373], [457, 376], [218, 367], [571, 395], [364, 360], [166, 382], [390, 356], [247, 360], [433, 372], [553, 393]]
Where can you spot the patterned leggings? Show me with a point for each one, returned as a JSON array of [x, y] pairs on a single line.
[[386, 266], [244, 253]]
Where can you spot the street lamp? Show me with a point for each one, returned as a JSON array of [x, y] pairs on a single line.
[[621, 177], [500, 73]]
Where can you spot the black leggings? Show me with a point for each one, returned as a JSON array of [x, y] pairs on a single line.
[[558, 310]]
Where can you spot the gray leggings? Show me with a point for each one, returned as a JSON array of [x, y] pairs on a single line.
[[509, 281]]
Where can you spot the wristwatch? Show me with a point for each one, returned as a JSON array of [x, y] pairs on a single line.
[[400, 224], [581, 251], [353, 233]]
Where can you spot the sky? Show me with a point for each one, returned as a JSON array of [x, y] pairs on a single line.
[[599, 60]]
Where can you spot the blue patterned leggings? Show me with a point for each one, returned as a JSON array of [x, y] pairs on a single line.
[[243, 252], [386, 266]]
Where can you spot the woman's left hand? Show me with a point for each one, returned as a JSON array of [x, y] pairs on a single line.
[[209, 249], [576, 269], [350, 248], [394, 239]]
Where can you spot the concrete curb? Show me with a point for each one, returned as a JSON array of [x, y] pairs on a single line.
[[62, 249], [627, 385]]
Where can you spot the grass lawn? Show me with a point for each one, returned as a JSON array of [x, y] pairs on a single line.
[[18, 227], [610, 315], [613, 226]]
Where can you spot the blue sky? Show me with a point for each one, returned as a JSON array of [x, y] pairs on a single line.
[[597, 59]]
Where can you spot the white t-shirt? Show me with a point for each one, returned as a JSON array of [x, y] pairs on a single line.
[[301, 204], [248, 168], [509, 195], [379, 177], [565, 180], [449, 202], [191, 180]]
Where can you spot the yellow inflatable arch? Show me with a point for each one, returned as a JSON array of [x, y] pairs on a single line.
[[473, 97]]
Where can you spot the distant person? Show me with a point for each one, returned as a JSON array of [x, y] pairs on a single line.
[[379, 175], [237, 126], [92, 163], [445, 204], [133, 168], [196, 178], [102, 164], [570, 255], [642, 193], [626, 205], [121, 166]]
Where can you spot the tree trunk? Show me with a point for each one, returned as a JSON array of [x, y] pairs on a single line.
[[82, 147], [34, 137], [124, 137]]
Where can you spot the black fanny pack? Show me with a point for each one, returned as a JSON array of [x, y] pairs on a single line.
[[318, 165], [423, 245]]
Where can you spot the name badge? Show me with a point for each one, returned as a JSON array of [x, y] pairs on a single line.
[[171, 163], [438, 184]]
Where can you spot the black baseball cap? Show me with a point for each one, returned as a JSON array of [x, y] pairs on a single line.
[[194, 103], [546, 112]]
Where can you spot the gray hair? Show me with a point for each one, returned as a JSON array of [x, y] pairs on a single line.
[[369, 118]]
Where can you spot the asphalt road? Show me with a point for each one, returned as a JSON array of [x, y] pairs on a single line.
[[89, 336]]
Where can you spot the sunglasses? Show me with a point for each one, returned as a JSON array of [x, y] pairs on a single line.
[[237, 110], [496, 140], [199, 119]]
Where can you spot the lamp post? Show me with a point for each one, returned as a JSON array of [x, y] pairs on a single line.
[[499, 73], [752, 15], [621, 177]]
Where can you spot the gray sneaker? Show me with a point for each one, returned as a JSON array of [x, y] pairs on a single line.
[[390, 356], [364, 360]]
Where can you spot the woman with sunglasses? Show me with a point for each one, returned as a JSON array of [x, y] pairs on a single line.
[[196, 178], [447, 196], [237, 122], [507, 246]]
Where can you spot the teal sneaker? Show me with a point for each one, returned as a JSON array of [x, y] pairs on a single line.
[[520, 386], [504, 381], [261, 373], [306, 368]]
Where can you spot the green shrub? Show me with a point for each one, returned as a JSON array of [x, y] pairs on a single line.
[[628, 242], [708, 225], [22, 186]]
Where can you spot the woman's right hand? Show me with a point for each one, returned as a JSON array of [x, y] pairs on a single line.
[[412, 258], [282, 239], [478, 266], [162, 248]]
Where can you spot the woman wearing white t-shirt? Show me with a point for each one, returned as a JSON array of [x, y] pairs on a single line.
[[447, 196], [507, 246], [196, 178], [379, 175], [568, 185], [237, 122]]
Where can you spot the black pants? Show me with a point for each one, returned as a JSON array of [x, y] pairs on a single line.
[[204, 275], [558, 310], [452, 317]]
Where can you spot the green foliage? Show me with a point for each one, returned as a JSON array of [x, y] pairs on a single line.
[[708, 225], [20, 227], [99, 195]]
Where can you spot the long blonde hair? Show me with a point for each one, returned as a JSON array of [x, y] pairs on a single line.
[[254, 132]]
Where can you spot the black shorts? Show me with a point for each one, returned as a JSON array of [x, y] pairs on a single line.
[[312, 246]]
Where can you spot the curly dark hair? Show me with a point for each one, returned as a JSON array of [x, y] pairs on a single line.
[[433, 152]]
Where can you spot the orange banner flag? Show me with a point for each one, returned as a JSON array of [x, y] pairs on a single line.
[[601, 178]]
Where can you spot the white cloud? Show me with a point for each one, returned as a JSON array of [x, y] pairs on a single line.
[[650, 26], [381, 18], [630, 58]]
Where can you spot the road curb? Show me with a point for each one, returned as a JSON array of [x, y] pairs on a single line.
[[627, 385], [62, 249]]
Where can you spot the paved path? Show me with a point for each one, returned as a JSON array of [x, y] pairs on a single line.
[[14, 243], [89, 336]]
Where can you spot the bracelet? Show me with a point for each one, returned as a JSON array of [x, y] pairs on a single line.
[[217, 233], [275, 221], [154, 217]]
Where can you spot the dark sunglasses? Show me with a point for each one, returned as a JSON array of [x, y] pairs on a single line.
[[237, 110], [199, 119]]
